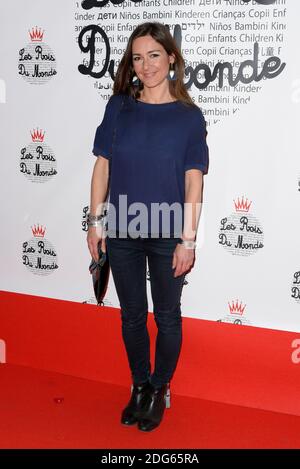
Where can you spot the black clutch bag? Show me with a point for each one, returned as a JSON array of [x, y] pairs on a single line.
[[100, 274]]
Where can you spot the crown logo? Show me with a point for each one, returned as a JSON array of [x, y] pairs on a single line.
[[36, 35], [37, 135], [236, 307], [38, 231], [242, 205]]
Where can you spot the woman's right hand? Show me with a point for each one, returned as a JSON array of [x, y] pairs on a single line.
[[94, 236]]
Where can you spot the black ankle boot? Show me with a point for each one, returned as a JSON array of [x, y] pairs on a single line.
[[131, 412], [153, 405]]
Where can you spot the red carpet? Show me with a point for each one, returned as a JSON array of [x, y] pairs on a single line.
[[234, 387], [88, 417]]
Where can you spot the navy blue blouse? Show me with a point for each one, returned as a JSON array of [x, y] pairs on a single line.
[[150, 146]]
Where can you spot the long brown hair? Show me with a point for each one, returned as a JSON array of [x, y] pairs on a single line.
[[125, 72]]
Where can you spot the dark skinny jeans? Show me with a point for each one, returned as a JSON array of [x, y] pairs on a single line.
[[127, 257]]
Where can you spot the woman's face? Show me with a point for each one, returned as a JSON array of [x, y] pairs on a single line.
[[150, 61]]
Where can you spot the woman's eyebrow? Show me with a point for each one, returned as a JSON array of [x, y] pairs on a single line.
[[149, 52]]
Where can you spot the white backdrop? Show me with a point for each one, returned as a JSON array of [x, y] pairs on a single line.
[[247, 267]]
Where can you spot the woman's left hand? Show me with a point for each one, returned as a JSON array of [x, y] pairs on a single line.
[[183, 260]]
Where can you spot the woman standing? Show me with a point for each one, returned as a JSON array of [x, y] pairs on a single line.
[[152, 154]]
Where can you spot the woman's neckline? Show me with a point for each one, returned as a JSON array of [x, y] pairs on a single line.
[[156, 104]]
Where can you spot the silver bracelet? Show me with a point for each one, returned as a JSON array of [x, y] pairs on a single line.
[[188, 244], [94, 217], [96, 223]]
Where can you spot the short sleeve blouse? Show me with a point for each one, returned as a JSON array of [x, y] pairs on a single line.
[[150, 147]]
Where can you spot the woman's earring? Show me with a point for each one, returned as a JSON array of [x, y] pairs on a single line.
[[135, 80], [171, 75]]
